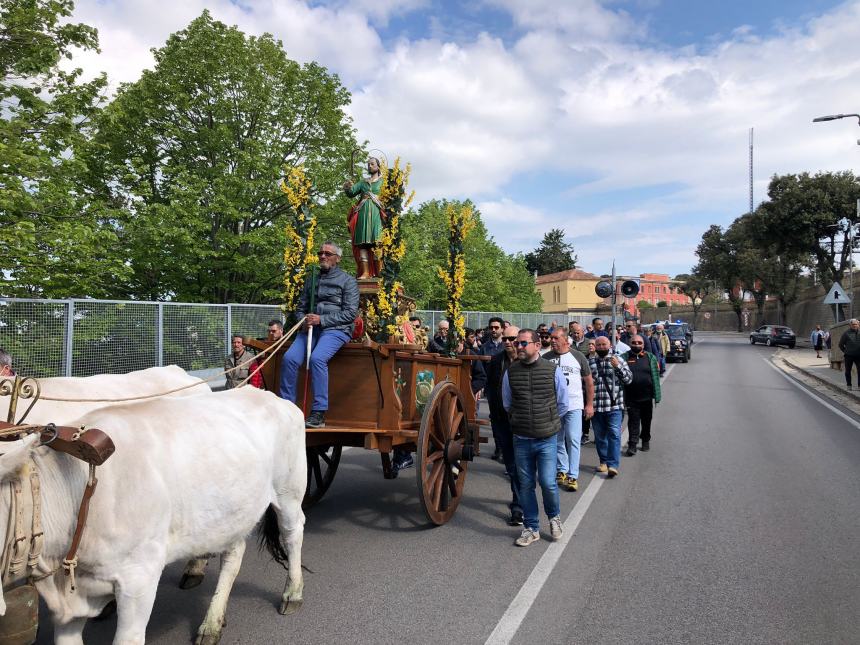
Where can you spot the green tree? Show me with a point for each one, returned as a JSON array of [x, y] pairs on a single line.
[[495, 281], [804, 215], [552, 255], [697, 289], [57, 238], [194, 150], [718, 260]]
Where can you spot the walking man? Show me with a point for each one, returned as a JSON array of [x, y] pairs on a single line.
[[610, 373], [580, 391], [850, 346], [502, 435], [662, 340], [534, 393], [817, 340], [640, 394]]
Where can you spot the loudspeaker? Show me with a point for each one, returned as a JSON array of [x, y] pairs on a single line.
[[629, 288], [603, 289]]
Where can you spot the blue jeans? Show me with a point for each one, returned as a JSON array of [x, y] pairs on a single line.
[[607, 436], [324, 346], [505, 442], [536, 462], [568, 443]]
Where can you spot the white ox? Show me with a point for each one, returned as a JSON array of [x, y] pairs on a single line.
[[190, 475], [154, 380]]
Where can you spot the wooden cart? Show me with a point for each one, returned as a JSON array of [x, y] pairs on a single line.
[[383, 397]]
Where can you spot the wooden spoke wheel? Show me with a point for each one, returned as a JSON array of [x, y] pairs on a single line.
[[441, 468], [322, 466]]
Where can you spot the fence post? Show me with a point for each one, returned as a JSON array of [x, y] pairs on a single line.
[[160, 335], [70, 336], [229, 328]]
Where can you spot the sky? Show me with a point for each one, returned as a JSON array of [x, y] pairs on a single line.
[[623, 122]]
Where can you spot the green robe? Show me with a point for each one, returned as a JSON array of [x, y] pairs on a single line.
[[368, 225]]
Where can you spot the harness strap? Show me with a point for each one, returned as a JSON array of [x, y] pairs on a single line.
[[71, 559], [37, 537], [19, 544]]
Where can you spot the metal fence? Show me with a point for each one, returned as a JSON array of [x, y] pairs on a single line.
[[85, 337]]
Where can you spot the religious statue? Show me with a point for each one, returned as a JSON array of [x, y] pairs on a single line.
[[365, 219]]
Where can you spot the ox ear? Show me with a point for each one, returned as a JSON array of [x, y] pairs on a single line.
[[14, 454]]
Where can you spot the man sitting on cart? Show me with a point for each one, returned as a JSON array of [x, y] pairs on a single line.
[[330, 302]]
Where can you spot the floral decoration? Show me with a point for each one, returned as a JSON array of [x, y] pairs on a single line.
[[299, 253], [460, 223]]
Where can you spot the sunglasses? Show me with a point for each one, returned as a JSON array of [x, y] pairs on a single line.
[[510, 339], [523, 343], [326, 254]]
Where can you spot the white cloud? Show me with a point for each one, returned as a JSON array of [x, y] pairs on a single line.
[[581, 92]]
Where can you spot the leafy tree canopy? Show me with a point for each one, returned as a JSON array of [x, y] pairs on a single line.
[[56, 238], [495, 281], [552, 255], [193, 152]]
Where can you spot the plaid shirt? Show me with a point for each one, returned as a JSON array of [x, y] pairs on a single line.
[[609, 383]]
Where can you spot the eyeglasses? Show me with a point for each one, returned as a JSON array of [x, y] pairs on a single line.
[[509, 339], [326, 254], [523, 343]]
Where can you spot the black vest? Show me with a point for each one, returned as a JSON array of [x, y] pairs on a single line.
[[534, 406]]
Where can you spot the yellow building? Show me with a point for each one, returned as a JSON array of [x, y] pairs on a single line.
[[568, 292]]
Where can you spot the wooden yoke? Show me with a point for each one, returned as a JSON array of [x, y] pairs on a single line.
[[92, 446]]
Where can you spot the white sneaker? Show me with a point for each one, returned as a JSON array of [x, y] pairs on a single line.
[[527, 537], [555, 527]]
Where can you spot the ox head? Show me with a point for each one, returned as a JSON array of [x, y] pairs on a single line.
[[14, 455]]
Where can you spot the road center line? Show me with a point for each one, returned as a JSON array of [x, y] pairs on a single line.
[[516, 612], [813, 395]]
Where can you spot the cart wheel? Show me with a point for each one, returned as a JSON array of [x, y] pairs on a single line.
[[322, 465], [440, 471]]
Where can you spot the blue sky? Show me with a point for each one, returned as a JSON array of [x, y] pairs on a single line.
[[624, 122]]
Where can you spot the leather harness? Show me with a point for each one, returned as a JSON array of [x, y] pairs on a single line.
[[90, 445]]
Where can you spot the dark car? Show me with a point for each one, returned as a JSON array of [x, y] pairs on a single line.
[[680, 340], [773, 335]]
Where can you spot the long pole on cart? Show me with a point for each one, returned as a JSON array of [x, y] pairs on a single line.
[[311, 306]]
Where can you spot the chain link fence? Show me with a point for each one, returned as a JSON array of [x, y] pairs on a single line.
[[84, 337]]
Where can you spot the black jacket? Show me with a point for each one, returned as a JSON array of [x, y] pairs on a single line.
[[496, 369], [850, 343]]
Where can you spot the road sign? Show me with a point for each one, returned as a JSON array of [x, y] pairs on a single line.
[[836, 295]]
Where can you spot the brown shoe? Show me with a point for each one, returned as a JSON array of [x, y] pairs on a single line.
[[600, 469], [612, 472]]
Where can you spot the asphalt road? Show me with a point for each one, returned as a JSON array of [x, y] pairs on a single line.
[[739, 526]]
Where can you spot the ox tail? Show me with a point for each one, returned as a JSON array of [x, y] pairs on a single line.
[[270, 537]]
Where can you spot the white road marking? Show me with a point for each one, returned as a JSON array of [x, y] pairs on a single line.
[[516, 612], [813, 395]]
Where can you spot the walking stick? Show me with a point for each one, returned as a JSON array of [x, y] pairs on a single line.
[[310, 340]]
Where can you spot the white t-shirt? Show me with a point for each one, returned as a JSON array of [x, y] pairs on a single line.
[[572, 370]]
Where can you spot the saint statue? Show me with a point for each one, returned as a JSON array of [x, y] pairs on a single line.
[[365, 219]]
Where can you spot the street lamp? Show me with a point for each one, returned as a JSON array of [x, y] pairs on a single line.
[[834, 117]]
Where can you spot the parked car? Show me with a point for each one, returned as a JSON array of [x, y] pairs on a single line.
[[773, 335], [680, 340]]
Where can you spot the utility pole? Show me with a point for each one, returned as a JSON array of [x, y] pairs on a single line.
[[751, 170]]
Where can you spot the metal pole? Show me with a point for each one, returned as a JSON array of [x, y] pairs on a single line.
[[612, 331], [229, 328], [159, 342], [70, 337]]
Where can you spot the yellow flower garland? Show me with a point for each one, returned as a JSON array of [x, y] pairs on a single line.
[[299, 251], [460, 223]]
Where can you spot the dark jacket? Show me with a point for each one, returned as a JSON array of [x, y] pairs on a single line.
[[495, 370], [632, 391], [479, 374], [336, 299], [850, 343], [489, 348]]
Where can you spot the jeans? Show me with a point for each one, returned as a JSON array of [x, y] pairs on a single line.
[[639, 414], [505, 442], [324, 346], [536, 463], [607, 436], [850, 362], [568, 443]]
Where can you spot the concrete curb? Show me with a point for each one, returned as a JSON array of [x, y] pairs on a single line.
[[823, 381]]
